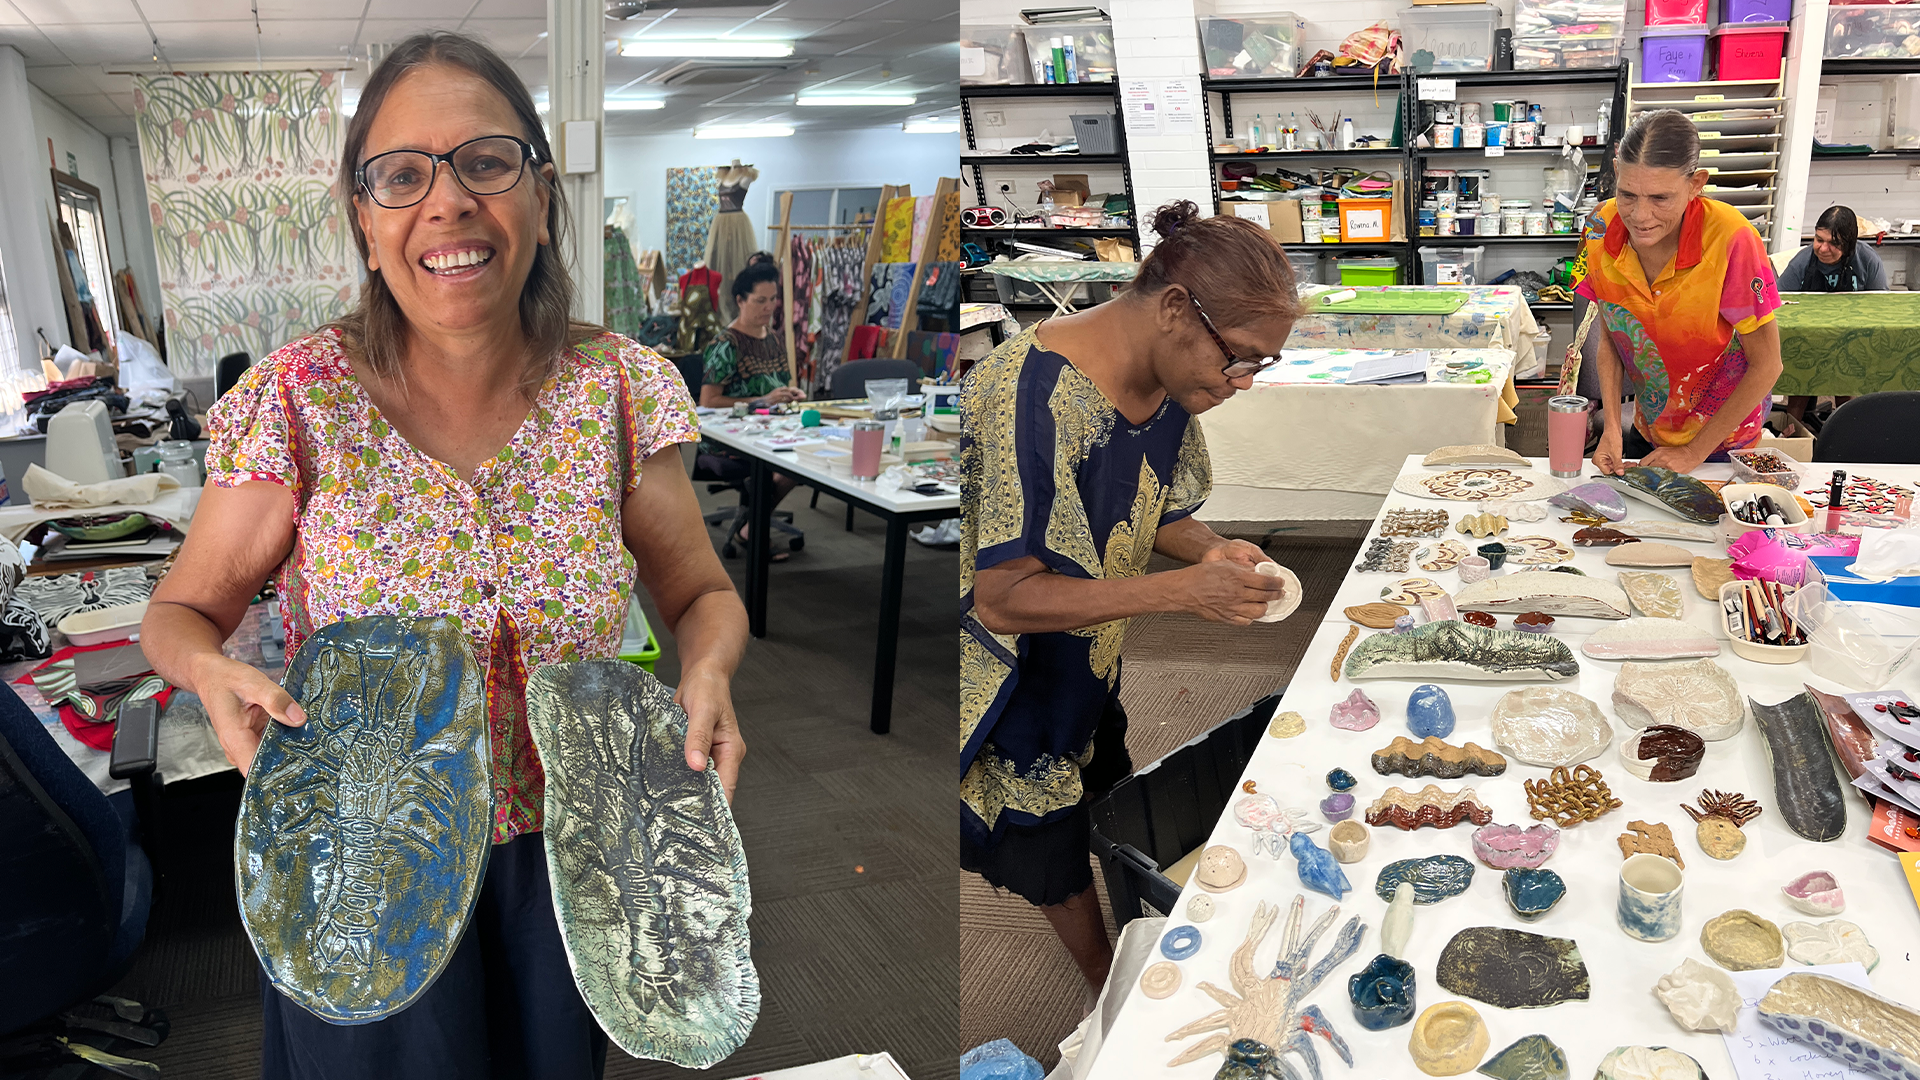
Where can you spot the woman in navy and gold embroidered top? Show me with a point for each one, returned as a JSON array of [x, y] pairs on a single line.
[[1081, 458]]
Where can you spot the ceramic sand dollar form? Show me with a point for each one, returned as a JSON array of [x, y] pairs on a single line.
[[649, 879], [363, 834]]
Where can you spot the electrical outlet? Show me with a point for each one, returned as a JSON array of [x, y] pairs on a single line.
[[1913, 172], [993, 119]]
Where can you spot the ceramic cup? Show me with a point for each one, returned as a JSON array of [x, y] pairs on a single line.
[[1494, 554], [1474, 568], [1649, 897]]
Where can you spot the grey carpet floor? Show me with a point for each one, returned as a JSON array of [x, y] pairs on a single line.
[[1180, 677], [849, 837]]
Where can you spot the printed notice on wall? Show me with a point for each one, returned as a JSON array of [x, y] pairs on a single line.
[[1761, 1053], [1181, 101], [1140, 106]]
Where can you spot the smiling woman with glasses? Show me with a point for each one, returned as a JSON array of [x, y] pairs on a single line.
[[1081, 456], [456, 446]]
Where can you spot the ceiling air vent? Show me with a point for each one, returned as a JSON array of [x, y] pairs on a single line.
[[718, 72], [622, 10]]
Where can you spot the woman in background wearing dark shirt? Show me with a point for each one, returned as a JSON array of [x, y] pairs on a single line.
[[1834, 262]]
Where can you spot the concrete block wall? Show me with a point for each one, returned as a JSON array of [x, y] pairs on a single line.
[[1158, 39]]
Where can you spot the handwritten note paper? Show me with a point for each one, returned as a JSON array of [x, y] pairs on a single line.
[[1761, 1053]]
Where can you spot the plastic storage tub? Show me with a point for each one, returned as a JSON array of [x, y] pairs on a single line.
[[1451, 266], [1858, 31], [1095, 133], [1366, 219], [1539, 18], [1255, 46], [1306, 267], [1453, 37], [1563, 53], [1092, 44], [1673, 54], [1733, 12], [1749, 51], [993, 55], [1677, 13], [637, 643], [1369, 271]]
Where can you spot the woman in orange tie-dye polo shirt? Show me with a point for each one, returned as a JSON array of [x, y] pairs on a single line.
[[1686, 298]]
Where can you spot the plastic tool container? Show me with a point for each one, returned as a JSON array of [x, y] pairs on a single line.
[[1872, 30], [1452, 37], [1565, 52], [1749, 51], [993, 55], [1306, 267], [1095, 133], [1673, 54], [1451, 266], [1677, 13], [1091, 43], [1256, 46], [1733, 12], [1369, 271], [1366, 219]]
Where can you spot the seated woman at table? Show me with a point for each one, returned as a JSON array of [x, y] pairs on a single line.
[[749, 363], [1834, 262], [1686, 299], [1080, 458]]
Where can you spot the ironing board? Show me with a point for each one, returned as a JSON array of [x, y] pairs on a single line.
[[1058, 280]]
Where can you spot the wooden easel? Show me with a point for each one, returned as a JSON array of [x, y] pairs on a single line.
[[784, 256], [936, 229], [875, 240]]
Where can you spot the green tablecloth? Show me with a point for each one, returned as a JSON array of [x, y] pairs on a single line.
[[1849, 343]]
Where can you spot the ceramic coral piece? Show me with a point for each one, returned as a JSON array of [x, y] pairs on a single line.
[[1655, 529], [1287, 725], [1536, 551], [1508, 847], [1739, 940], [1852, 740], [1701, 998], [1384, 556], [1650, 891], [1533, 622], [1718, 821], [1650, 838], [1474, 454], [1376, 616], [1432, 879], [1594, 498], [1662, 753], [1531, 1057], [1456, 650], [1516, 511], [1545, 725], [1348, 841], [1337, 807], [1429, 712], [1815, 893], [1554, 594], [1428, 806], [1601, 536], [1199, 908], [1318, 869], [1160, 980], [1396, 927], [1441, 557], [1531, 893], [1408, 592], [1835, 941], [1652, 593], [1512, 969], [1710, 575], [1648, 553], [1856, 1027], [1260, 1008], [1480, 619], [1382, 993], [1698, 695], [1482, 526], [1356, 713], [1474, 484], [1682, 495], [1569, 796], [1220, 869], [1290, 596], [1650, 639], [1413, 523], [1648, 1063], [1805, 791], [1435, 757], [1448, 1039]]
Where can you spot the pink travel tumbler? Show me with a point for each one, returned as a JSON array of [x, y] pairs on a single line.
[[867, 435], [1566, 434]]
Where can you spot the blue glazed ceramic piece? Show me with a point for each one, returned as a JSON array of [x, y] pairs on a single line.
[[1180, 943], [1382, 993], [1532, 893], [1595, 498], [1403, 624], [1532, 1057], [1850, 1025], [1650, 891], [650, 881], [1319, 870], [1341, 780], [1429, 712], [1434, 878], [1677, 492], [1337, 807], [363, 835]]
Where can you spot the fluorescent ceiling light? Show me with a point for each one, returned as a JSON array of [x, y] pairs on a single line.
[[634, 104], [931, 127], [663, 47], [743, 131], [853, 99]]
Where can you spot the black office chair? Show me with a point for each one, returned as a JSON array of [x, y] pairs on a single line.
[[723, 474], [72, 911], [228, 371], [1873, 428]]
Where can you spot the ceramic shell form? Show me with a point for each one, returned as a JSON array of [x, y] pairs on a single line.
[[1662, 753], [1509, 847], [1481, 526], [1653, 594], [1433, 756], [1512, 969], [1433, 878], [1701, 998], [1859, 1028], [1805, 790], [1698, 695], [1595, 498], [1545, 591], [1849, 734], [1650, 639], [1835, 941], [649, 875], [1428, 806], [1457, 650], [1545, 725], [1531, 893], [1679, 493], [363, 835]]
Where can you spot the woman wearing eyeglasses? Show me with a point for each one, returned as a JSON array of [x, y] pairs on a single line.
[[456, 446], [1080, 458]]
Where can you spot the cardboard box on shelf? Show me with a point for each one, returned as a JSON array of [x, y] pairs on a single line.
[[1070, 189], [1280, 217]]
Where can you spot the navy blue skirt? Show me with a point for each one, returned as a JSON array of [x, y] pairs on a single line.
[[506, 1005]]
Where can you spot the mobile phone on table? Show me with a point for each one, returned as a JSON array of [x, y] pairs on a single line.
[[136, 739]]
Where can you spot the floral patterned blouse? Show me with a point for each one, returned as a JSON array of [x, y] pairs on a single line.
[[528, 555]]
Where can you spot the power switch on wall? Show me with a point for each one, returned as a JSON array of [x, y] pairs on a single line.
[[1913, 172]]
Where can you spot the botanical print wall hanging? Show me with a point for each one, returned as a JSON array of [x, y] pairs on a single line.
[[252, 247]]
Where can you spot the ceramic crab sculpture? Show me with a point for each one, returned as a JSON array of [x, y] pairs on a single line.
[[1265, 1023], [1273, 825]]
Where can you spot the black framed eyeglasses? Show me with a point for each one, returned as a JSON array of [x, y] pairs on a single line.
[[1237, 367], [488, 165]]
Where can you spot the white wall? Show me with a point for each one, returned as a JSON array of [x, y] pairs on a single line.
[[636, 167], [52, 122], [26, 247]]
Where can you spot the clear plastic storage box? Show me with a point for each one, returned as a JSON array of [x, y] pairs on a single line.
[[1452, 37], [1451, 266], [1251, 46], [1091, 44], [993, 55], [1561, 53], [1856, 31], [1579, 18]]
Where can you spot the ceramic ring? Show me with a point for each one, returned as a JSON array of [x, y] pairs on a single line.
[[1180, 943], [1160, 980]]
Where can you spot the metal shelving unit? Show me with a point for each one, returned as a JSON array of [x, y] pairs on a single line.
[[1066, 94]]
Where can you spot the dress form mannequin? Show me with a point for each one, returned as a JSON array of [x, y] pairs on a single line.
[[730, 241]]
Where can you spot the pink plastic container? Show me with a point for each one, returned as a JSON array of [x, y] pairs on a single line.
[[867, 437], [1677, 12], [1673, 54], [1749, 51]]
